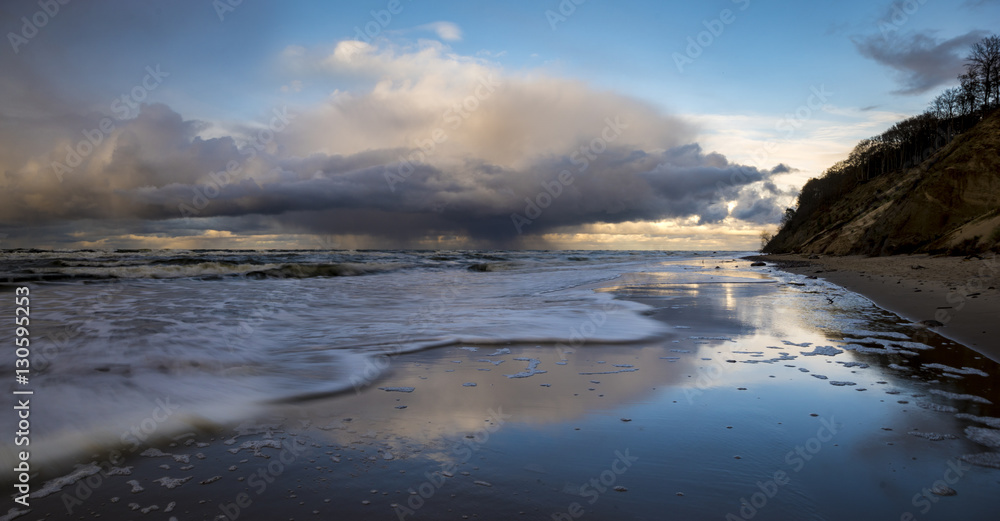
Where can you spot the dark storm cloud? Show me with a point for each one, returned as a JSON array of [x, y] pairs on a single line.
[[156, 168], [921, 61]]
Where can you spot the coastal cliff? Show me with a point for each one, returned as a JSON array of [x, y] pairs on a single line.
[[945, 199]]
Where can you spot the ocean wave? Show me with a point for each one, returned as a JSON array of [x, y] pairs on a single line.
[[305, 271], [491, 266], [485, 256], [207, 270]]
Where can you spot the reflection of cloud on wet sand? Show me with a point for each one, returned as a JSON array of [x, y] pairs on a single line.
[[442, 408]]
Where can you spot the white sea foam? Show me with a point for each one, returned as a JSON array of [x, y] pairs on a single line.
[[992, 422], [963, 371], [256, 446], [822, 350], [866, 350], [530, 371], [57, 484], [936, 407], [960, 397], [986, 459], [912, 345], [171, 483], [933, 436], [984, 436], [861, 333]]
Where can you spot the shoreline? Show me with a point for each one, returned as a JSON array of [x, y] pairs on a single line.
[[960, 293], [690, 423]]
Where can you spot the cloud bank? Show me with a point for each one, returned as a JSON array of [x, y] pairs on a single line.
[[428, 143]]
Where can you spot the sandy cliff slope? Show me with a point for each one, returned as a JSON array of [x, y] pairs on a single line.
[[950, 203]]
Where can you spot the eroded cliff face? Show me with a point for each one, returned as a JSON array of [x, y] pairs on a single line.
[[950, 203]]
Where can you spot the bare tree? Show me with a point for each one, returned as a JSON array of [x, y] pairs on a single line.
[[765, 237], [971, 88], [983, 64], [946, 106]]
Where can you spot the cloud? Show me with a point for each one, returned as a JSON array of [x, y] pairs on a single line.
[[763, 203], [921, 61], [490, 54], [293, 86], [433, 144], [976, 3], [447, 31]]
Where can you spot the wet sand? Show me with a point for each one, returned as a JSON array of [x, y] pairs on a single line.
[[774, 396], [961, 293]]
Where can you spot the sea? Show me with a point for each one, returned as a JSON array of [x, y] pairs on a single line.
[[118, 335], [716, 374]]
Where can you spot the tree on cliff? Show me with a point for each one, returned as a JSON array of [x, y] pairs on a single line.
[[983, 72]]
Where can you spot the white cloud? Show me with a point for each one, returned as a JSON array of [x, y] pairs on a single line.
[[447, 31], [811, 146]]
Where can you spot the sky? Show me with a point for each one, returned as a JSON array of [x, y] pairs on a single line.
[[572, 124]]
